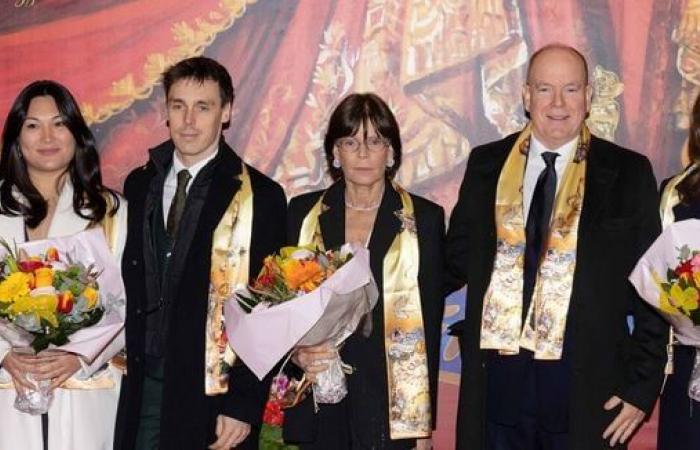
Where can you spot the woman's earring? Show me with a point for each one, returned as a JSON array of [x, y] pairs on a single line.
[[390, 162], [336, 163]]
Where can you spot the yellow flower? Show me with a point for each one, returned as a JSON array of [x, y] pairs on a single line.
[[696, 278], [686, 299], [43, 277], [15, 286], [90, 295], [44, 306]]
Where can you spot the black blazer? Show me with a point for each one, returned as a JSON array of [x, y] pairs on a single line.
[[367, 399], [188, 415], [619, 221]]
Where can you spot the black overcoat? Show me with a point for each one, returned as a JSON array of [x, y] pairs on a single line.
[[619, 220], [188, 415]]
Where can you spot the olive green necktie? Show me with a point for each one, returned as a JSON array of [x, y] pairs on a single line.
[[178, 204]]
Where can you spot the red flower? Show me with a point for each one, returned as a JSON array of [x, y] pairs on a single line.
[[273, 413], [30, 265], [684, 267]]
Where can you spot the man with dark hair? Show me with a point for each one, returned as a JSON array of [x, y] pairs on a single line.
[[549, 223], [200, 223]]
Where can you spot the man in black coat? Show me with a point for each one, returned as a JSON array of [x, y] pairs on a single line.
[[176, 202], [604, 381]]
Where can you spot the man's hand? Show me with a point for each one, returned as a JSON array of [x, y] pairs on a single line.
[[622, 427], [56, 367], [314, 360], [18, 365], [229, 432]]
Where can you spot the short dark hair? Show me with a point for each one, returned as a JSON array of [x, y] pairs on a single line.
[[89, 200], [560, 46], [201, 68], [357, 110], [689, 187]]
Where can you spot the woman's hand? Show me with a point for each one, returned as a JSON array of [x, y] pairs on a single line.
[[18, 365], [57, 367], [314, 360]]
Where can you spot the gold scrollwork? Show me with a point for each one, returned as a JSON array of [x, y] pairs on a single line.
[[191, 38], [605, 110], [24, 3]]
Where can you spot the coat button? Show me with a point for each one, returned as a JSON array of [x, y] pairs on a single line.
[[139, 311], [137, 359], [134, 262]]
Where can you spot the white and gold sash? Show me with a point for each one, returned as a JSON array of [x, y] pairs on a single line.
[[545, 323], [230, 263], [404, 334]]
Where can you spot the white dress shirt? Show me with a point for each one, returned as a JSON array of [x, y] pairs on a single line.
[[535, 165], [170, 186]]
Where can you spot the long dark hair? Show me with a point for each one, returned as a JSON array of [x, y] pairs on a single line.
[[357, 110], [90, 195], [689, 187]]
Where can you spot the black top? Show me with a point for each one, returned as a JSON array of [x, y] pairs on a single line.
[[367, 400]]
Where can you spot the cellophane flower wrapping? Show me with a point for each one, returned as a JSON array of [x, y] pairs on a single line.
[[263, 331], [61, 294]]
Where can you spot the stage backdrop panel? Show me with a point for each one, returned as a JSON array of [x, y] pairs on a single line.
[[451, 70]]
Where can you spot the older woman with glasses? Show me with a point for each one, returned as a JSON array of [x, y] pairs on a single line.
[[392, 390]]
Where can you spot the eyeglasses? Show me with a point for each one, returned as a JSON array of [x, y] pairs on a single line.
[[352, 145]]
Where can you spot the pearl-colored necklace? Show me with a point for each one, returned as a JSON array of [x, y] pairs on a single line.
[[372, 207]]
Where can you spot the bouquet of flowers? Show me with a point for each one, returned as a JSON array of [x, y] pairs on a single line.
[[302, 296], [668, 278], [49, 300]]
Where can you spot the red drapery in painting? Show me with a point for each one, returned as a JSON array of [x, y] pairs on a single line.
[[110, 56]]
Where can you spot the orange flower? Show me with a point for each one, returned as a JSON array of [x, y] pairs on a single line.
[[43, 277], [52, 254], [65, 302], [302, 275]]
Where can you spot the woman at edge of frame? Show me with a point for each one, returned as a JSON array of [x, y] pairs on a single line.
[[679, 415]]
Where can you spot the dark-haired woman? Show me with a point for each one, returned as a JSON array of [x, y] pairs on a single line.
[[679, 415], [51, 186], [393, 388]]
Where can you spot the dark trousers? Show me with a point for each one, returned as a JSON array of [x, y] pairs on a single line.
[[524, 436], [148, 434], [527, 403]]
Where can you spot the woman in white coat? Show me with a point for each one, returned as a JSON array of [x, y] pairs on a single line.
[[51, 186]]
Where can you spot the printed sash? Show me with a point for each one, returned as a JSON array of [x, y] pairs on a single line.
[[230, 262], [545, 323]]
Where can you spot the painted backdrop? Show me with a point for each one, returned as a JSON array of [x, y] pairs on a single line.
[[451, 70]]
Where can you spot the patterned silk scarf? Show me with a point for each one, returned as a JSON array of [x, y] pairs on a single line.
[[404, 335], [230, 263], [545, 323]]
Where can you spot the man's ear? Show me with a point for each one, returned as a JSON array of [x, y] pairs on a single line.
[[589, 97], [526, 97]]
